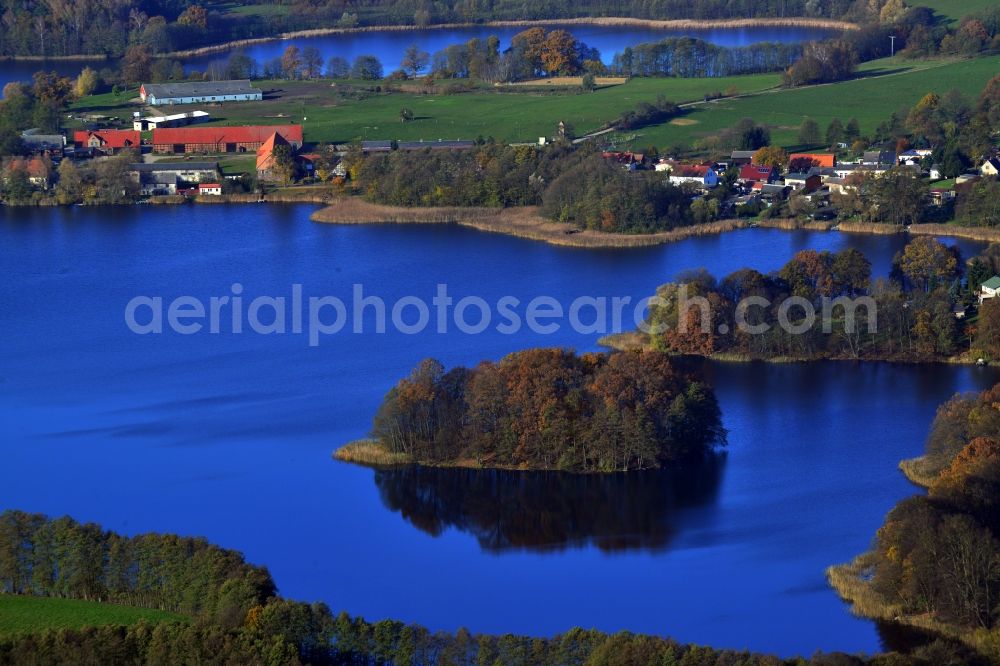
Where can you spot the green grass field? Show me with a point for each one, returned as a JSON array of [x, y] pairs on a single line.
[[956, 9], [24, 614], [872, 99], [883, 87], [510, 116]]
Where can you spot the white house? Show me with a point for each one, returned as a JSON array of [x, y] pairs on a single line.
[[989, 289], [701, 175], [990, 167], [210, 189]]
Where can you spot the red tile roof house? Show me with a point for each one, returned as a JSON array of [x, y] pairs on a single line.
[[107, 142], [243, 139], [37, 170], [265, 156], [827, 160], [756, 173]]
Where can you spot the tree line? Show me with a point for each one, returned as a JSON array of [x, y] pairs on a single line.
[[281, 632], [690, 57], [60, 557], [553, 410], [908, 316]]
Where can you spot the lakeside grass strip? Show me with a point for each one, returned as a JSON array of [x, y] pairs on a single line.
[[624, 21], [522, 222]]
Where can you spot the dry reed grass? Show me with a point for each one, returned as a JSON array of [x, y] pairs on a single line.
[[370, 452], [523, 222]]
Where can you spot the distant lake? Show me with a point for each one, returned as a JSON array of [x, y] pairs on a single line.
[[388, 46], [229, 436]]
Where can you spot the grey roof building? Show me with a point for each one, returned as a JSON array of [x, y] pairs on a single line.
[[199, 92]]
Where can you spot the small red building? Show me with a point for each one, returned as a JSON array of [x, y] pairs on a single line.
[[106, 142], [248, 138]]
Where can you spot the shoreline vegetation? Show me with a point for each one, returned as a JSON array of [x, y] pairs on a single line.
[[521, 222], [933, 563], [671, 24]]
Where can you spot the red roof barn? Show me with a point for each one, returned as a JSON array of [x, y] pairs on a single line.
[[222, 139]]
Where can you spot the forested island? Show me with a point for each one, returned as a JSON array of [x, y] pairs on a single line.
[[546, 409], [936, 560], [927, 309], [233, 616]]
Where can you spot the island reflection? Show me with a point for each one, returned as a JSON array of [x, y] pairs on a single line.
[[550, 511]]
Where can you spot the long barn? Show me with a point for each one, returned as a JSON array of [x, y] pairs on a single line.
[[199, 92], [243, 139]]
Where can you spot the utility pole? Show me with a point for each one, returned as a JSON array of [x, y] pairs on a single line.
[[892, 39]]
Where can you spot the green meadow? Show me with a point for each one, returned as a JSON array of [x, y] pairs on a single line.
[[956, 9], [26, 614], [882, 87]]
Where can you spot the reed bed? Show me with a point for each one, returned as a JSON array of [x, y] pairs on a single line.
[[791, 224], [870, 228], [522, 222], [920, 471], [625, 341], [370, 452], [852, 583], [984, 234]]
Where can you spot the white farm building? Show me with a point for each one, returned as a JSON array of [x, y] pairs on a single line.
[[158, 94]]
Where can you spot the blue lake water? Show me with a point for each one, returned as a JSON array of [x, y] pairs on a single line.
[[229, 435], [389, 46]]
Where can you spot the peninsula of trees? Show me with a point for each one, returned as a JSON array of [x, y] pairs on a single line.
[[549, 409], [936, 560], [925, 310]]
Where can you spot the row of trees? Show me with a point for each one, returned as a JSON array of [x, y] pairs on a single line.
[[552, 409], [908, 316], [691, 57], [63, 558]]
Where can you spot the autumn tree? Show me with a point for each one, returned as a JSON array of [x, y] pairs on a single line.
[[415, 60], [925, 262], [194, 16], [772, 156], [809, 132], [137, 64], [86, 82], [291, 62]]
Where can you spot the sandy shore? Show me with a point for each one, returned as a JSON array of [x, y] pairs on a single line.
[[676, 24], [520, 222]]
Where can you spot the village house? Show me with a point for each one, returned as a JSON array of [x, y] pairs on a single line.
[[825, 160], [756, 173], [914, 156], [247, 138], [989, 289], [266, 164], [106, 142], [37, 169], [935, 172], [803, 182], [157, 94], [702, 175], [770, 192], [941, 195], [741, 157], [175, 120], [628, 160], [967, 179], [879, 158], [170, 178], [990, 168], [210, 189]]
